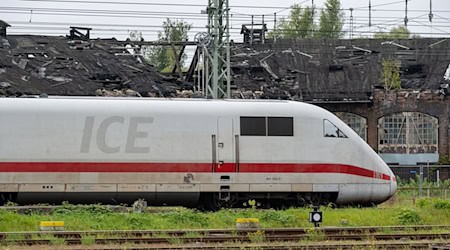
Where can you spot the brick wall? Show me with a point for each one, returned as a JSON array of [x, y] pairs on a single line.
[[395, 101]]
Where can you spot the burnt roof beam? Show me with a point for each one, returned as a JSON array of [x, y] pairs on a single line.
[[395, 44]]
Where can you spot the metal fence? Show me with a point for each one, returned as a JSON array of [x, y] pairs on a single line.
[[431, 173], [431, 192]]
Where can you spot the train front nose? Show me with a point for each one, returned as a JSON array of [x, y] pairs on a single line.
[[393, 185], [392, 182]]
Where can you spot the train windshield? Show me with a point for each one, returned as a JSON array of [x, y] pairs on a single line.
[[331, 130]]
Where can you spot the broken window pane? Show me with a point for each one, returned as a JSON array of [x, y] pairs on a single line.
[[356, 122], [330, 130], [280, 126], [408, 133], [253, 126]]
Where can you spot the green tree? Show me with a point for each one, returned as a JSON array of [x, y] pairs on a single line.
[[299, 24], [164, 57], [390, 74], [331, 20], [400, 32]]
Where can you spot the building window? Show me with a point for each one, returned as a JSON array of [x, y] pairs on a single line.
[[267, 126], [280, 126], [330, 130], [253, 126], [356, 122], [408, 133]]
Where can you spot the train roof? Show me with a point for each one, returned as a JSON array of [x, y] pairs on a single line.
[[151, 99], [164, 106], [167, 99]]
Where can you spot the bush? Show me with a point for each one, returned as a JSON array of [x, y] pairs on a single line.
[[433, 203], [424, 202], [409, 216], [442, 204], [278, 218], [188, 217], [67, 208]]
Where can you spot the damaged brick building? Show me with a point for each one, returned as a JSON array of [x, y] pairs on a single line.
[[407, 126]]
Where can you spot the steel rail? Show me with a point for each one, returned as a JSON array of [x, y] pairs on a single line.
[[255, 237], [207, 232], [423, 244]]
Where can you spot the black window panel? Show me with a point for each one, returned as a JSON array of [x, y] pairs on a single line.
[[253, 126], [281, 126]]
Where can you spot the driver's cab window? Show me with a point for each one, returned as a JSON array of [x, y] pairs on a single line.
[[330, 130]]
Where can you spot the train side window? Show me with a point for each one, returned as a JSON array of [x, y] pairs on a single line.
[[330, 130], [280, 126], [253, 126]]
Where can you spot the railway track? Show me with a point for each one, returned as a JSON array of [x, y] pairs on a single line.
[[429, 245], [400, 235]]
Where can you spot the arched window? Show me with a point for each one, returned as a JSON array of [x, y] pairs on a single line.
[[408, 133], [356, 122]]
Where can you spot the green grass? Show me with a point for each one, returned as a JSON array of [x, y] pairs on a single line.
[[88, 240], [256, 237], [401, 210]]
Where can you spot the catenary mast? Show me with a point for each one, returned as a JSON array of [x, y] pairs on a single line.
[[218, 56]]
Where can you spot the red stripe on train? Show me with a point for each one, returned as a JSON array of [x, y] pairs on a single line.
[[130, 167], [311, 168], [103, 167]]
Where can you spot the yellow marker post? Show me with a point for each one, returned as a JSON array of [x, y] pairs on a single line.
[[51, 225], [247, 223]]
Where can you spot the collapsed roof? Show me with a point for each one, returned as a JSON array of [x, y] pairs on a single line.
[[61, 66], [335, 70], [308, 70]]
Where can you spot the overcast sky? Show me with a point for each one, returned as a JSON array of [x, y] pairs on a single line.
[[53, 17]]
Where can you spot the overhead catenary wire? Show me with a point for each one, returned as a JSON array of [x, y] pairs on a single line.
[[136, 14], [118, 12], [377, 5], [391, 22], [203, 5], [156, 4], [234, 31], [434, 26], [43, 25], [145, 28], [379, 22], [184, 16], [131, 14], [37, 24]]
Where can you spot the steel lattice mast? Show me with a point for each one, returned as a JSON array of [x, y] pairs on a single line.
[[218, 56]]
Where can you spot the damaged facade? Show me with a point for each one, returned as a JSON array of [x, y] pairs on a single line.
[[335, 70], [406, 126]]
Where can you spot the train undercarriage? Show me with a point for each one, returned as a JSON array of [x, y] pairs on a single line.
[[203, 201], [216, 201]]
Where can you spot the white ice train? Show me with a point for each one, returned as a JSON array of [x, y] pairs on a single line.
[[190, 152]]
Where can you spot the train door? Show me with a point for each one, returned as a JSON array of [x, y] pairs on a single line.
[[225, 146]]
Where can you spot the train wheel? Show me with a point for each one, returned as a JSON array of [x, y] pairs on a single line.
[[300, 201]]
